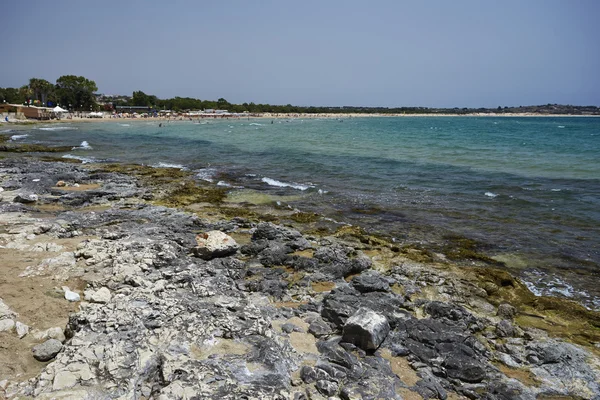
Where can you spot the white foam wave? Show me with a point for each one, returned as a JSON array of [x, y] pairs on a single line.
[[84, 160], [169, 165], [7, 131], [273, 182], [556, 190], [255, 124], [206, 174], [490, 194], [561, 126], [57, 128], [83, 146], [124, 124], [223, 183], [17, 137]]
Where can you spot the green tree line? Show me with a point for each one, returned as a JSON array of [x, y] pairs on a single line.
[[69, 91], [77, 93]]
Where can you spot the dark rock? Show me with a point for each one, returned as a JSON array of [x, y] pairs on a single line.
[[370, 281], [310, 374], [47, 350], [327, 388], [291, 237], [366, 329], [506, 311], [26, 198], [464, 368], [505, 329], [289, 328], [452, 312], [319, 328]]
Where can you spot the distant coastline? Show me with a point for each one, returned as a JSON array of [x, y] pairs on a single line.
[[183, 117]]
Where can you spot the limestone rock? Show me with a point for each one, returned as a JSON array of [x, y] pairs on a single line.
[[366, 329], [214, 244], [465, 368], [7, 325], [26, 198], [327, 388], [22, 329], [47, 350], [506, 311], [101, 295], [64, 380], [70, 295], [370, 281], [505, 329]]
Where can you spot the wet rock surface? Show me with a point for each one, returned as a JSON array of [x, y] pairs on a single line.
[[283, 316]]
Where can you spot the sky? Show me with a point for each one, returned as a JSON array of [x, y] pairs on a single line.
[[431, 53]]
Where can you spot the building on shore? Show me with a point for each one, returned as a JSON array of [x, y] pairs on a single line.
[[19, 111]]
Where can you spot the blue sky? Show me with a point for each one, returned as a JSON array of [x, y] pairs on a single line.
[[371, 53]]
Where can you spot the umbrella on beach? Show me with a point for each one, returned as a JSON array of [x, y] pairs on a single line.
[[58, 109]]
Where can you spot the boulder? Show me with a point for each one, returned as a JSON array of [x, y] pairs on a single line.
[[366, 329], [214, 244], [101, 295], [506, 311], [70, 295], [26, 198], [7, 325], [327, 388], [505, 329], [464, 368], [370, 281], [47, 350], [22, 329], [319, 328]]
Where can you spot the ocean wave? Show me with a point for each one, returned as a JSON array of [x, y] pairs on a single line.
[[206, 174], [57, 128], [273, 182], [561, 126], [17, 137], [84, 160], [169, 165], [7, 131], [255, 124], [490, 194], [124, 125], [83, 146], [223, 183]]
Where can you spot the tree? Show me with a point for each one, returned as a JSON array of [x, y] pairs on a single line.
[[25, 93], [41, 89], [140, 98], [77, 91], [11, 95], [222, 104]]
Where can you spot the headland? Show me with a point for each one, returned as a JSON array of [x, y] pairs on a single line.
[[133, 281]]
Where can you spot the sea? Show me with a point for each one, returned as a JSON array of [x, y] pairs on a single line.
[[527, 189]]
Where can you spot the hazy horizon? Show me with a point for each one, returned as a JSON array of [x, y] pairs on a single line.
[[382, 54]]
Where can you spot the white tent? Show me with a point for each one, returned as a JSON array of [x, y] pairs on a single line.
[[58, 109]]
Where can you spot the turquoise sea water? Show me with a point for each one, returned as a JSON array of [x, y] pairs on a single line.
[[527, 188]]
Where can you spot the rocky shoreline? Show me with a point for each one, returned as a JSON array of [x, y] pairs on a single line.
[[202, 301]]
